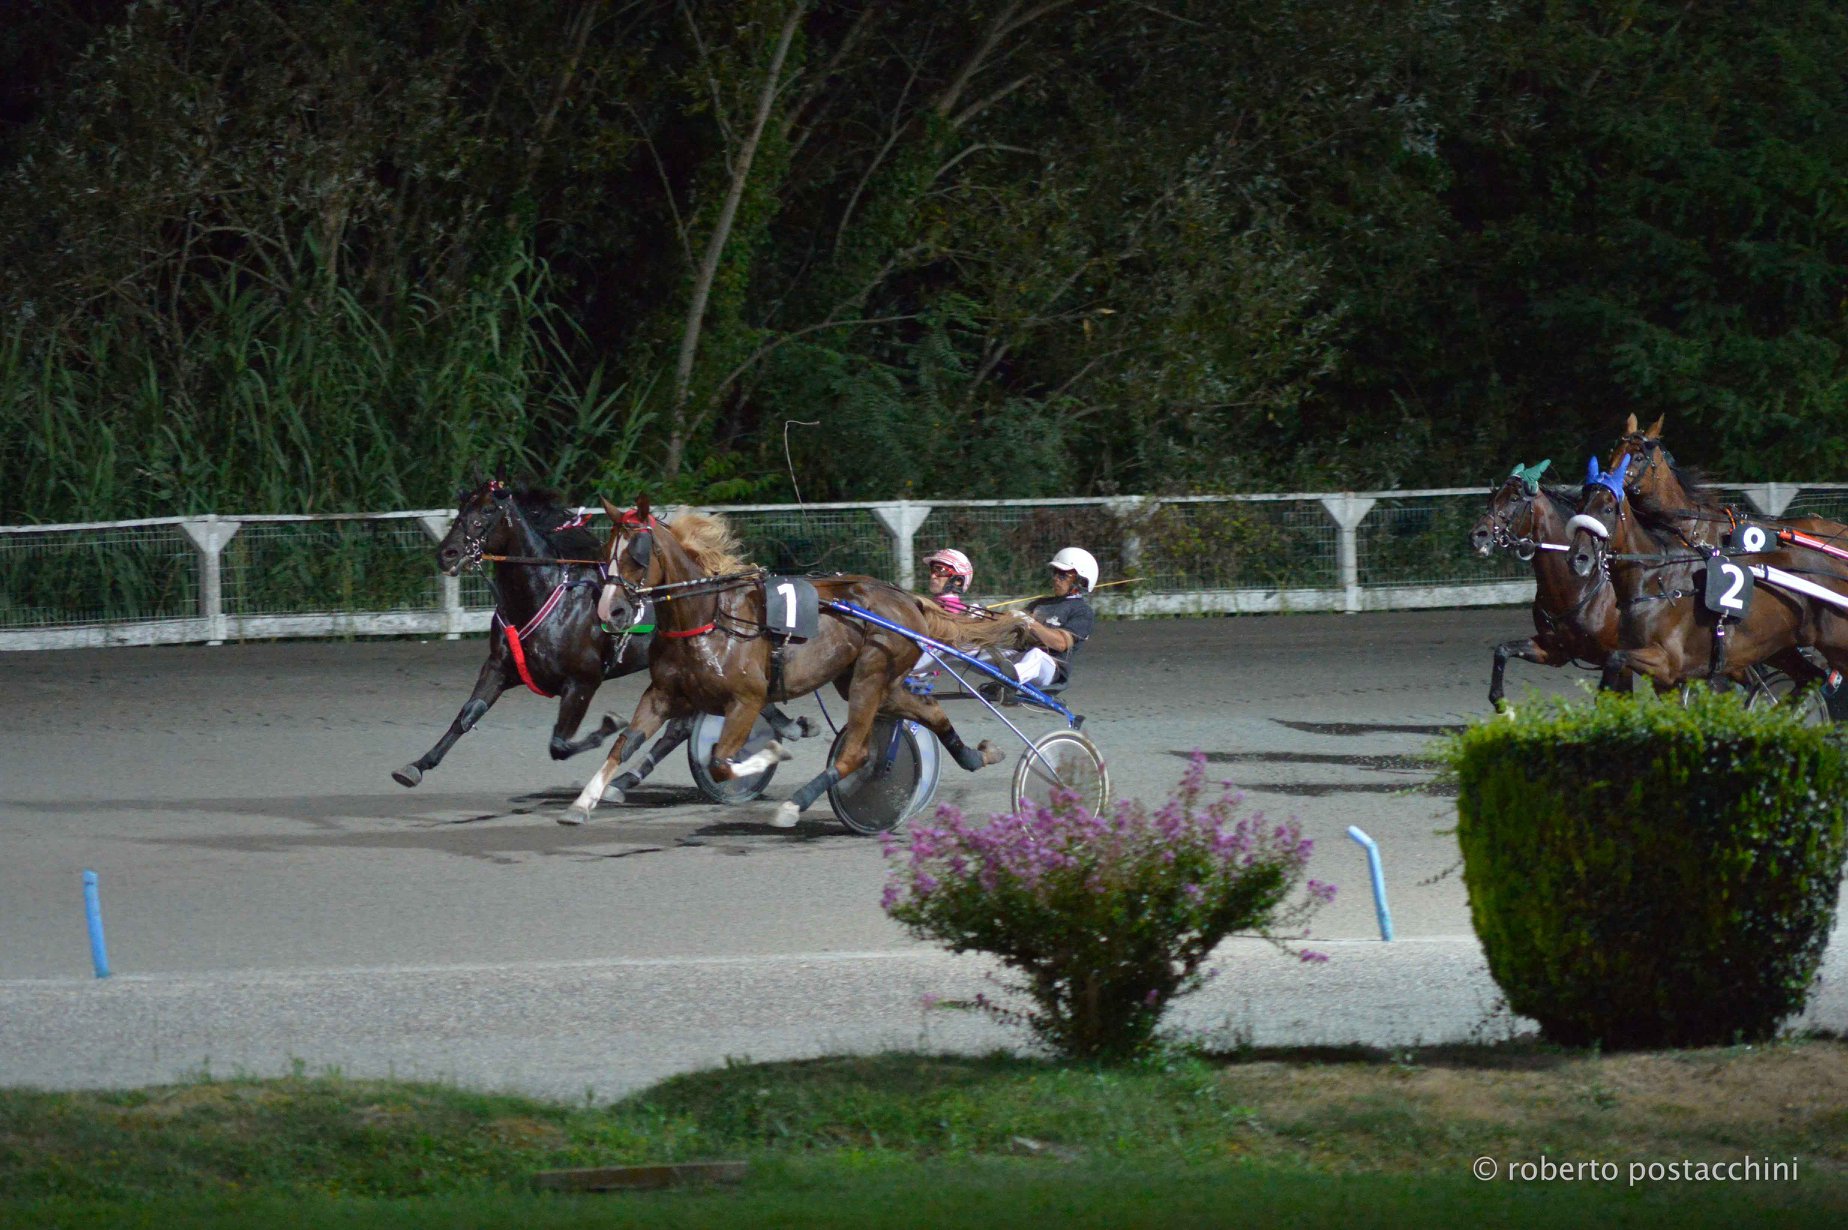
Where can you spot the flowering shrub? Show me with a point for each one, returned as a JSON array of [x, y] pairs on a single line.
[[1107, 917]]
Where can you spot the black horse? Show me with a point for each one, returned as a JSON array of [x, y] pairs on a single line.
[[546, 632]]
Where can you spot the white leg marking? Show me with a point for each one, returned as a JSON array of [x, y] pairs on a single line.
[[771, 753], [579, 811], [785, 817]]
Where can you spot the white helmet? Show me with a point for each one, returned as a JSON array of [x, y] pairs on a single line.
[[1080, 561]]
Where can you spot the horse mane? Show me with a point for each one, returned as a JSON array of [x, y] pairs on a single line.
[[1563, 503], [710, 540], [1694, 481], [545, 510]]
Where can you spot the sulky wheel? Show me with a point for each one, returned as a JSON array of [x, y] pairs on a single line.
[[1064, 759], [897, 781], [1773, 687], [706, 730]]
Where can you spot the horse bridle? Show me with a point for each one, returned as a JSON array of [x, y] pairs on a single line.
[[475, 536], [1501, 528]]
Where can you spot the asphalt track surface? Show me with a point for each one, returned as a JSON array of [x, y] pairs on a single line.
[[273, 899]]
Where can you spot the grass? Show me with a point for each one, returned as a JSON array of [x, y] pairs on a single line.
[[1312, 1138]]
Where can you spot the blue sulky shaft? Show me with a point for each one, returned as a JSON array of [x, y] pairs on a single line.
[[938, 647]]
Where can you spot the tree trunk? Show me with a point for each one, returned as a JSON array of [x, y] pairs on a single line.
[[715, 247]]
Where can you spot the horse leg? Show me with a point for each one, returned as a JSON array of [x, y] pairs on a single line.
[[783, 726], [673, 734], [650, 713], [572, 703], [1530, 650], [488, 687], [740, 716], [872, 679], [928, 713]]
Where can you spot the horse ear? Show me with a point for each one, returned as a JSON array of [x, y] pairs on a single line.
[[1623, 464], [611, 511], [1655, 428], [1591, 471], [641, 509], [1629, 426]]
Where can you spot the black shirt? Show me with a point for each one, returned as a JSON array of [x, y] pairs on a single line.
[[1071, 614]]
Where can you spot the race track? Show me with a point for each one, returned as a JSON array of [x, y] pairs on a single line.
[[270, 893]]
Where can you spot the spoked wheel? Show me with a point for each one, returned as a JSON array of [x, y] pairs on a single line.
[[1773, 687], [898, 780], [706, 730], [1062, 760]]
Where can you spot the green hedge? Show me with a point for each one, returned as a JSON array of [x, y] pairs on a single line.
[[1642, 874]]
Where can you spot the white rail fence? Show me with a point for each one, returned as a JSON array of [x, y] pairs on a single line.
[[211, 579]]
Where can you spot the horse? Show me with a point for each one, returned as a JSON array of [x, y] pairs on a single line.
[[546, 631], [1675, 500], [715, 653], [1575, 618], [1665, 632]]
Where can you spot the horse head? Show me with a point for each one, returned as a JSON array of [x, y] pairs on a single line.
[[483, 517], [1653, 462], [1495, 528], [1599, 518], [630, 564]]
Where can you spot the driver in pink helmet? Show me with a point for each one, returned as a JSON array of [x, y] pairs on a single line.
[[950, 575]]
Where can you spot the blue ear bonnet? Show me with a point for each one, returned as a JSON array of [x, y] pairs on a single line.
[[1611, 480]]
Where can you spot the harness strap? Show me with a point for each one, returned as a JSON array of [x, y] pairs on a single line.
[[699, 631], [515, 635]]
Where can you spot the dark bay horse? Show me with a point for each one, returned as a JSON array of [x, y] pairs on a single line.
[[546, 633], [713, 652], [1666, 630], [1575, 618]]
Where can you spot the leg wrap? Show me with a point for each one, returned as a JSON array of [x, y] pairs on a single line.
[[471, 713], [815, 789], [964, 755]]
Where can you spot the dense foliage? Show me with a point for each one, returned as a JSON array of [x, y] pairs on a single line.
[[1647, 874], [1105, 918], [257, 257]]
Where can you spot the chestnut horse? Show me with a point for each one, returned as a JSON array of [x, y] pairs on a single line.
[[1575, 618], [1670, 499], [714, 652], [546, 633], [1666, 630]]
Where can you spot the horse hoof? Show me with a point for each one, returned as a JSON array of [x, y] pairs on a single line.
[[786, 816], [804, 729], [780, 752], [618, 790], [409, 775], [573, 817], [990, 753]]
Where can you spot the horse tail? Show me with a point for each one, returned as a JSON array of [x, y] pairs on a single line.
[[963, 633]]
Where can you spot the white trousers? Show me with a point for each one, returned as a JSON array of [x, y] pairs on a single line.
[[1036, 667]]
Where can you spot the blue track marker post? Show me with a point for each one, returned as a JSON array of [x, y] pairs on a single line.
[[1379, 880], [93, 910]]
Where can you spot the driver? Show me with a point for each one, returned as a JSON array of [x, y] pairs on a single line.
[[1059, 624], [951, 574]]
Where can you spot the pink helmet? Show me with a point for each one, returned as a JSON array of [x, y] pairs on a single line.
[[956, 562]]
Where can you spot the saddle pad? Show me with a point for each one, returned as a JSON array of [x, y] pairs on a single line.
[[792, 608]]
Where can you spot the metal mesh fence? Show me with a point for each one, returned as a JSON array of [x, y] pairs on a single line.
[[122, 574], [792, 541], [296, 567], [1010, 545], [1831, 504], [1424, 540], [1267, 544]]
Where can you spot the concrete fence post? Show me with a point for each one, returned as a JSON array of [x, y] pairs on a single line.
[[436, 525], [1132, 513], [209, 537], [1348, 511], [902, 519], [1770, 499]]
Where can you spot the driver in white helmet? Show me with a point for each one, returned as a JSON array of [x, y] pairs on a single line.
[[1061, 623]]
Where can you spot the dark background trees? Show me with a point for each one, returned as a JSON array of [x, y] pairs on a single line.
[[265, 257]]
